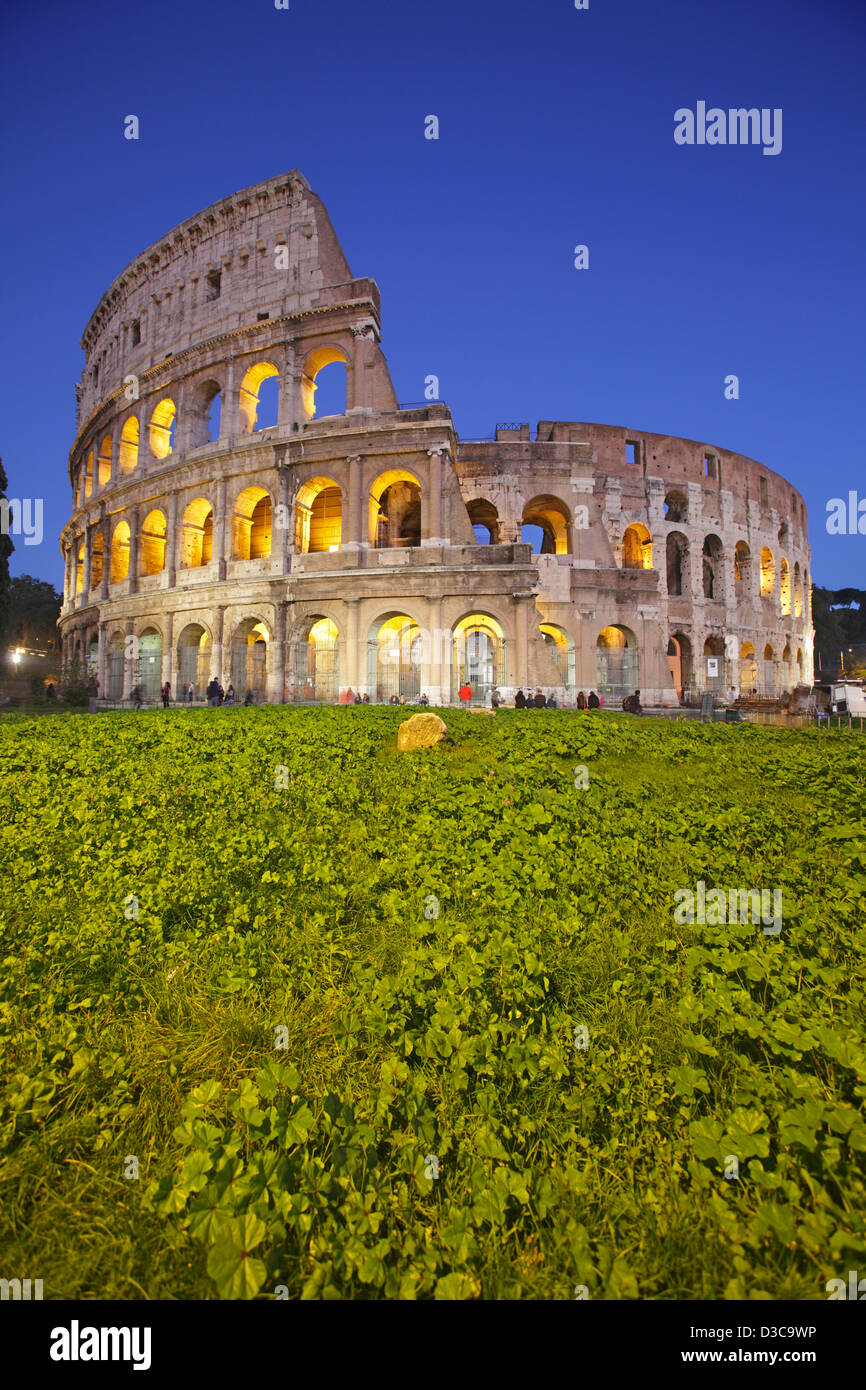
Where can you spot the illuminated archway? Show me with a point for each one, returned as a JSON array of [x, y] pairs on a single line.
[[315, 661], [249, 393], [249, 659], [128, 452], [637, 548], [196, 541], [104, 461], [785, 585], [119, 553], [88, 476], [562, 652], [193, 661], [251, 525], [318, 517], [79, 568], [395, 650], [714, 662], [769, 670], [97, 558], [153, 533], [162, 423], [748, 670], [552, 518], [148, 667], [315, 363], [680, 662], [617, 662], [768, 573], [395, 510], [798, 591], [479, 656]]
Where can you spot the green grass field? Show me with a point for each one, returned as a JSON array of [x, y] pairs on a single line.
[[390, 1025]]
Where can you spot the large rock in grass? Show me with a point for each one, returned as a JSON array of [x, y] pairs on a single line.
[[421, 731]]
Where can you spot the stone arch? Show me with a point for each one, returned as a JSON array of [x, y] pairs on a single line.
[[553, 518], [478, 655], [129, 441], [637, 547], [249, 647], [318, 516], [315, 659], [713, 567], [252, 519], [248, 402], [120, 543], [483, 516], [798, 591], [681, 662], [204, 409], [561, 650], [714, 650], [162, 428], [617, 662], [79, 567], [114, 666], [676, 507], [768, 572], [87, 488], [395, 510], [194, 655], [748, 669], [785, 586], [316, 361], [196, 538], [742, 572], [769, 670], [103, 463], [148, 665], [153, 537], [395, 651], [677, 563]]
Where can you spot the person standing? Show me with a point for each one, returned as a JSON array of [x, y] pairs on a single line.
[[166, 695], [593, 702], [190, 692], [581, 700], [465, 693]]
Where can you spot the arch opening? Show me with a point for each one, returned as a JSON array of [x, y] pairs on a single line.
[[249, 660], [153, 534], [196, 541], [637, 548], [193, 661], [677, 561], [395, 511], [484, 519], [547, 520], [315, 662], [318, 517], [120, 553], [258, 412], [252, 525], [617, 662]]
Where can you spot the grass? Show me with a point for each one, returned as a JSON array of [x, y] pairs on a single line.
[[430, 930]]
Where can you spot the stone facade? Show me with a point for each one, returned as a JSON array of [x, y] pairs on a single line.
[[374, 550]]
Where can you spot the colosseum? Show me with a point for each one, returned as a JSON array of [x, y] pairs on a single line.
[[370, 548]]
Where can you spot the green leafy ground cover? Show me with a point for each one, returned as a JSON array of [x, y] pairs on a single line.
[[412, 1037]]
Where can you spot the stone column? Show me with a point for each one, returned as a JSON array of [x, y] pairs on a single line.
[[168, 663], [284, 515], [438, 664], [105, 526], [352, 536], [129, 658], [433, 500], [277, 657], [220, 528], [217, 649], [171, 541], [144, 454], [228, 409], [519, 675], [351, 665], [134, 547], [88, 551], [101, 658]]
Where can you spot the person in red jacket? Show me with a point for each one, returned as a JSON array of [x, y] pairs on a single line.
[[465, 693]]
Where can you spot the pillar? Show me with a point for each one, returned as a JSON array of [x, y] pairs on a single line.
[[88, 545], [172, 541], [277, 657], [219, 528], [285, 517], [353, 668], [168, 673], [228, 409], [217, 649], [134, 547], [101, 658], [436, 672], [128, 659], [105, 526], [352, 533], [519, 676], [433, 500]]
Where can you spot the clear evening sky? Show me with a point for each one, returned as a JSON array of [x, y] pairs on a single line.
[[556, 129]]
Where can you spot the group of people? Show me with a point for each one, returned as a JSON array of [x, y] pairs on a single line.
[[537, 701]]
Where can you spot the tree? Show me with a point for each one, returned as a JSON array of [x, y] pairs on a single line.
[[6, 548], [34, 607]]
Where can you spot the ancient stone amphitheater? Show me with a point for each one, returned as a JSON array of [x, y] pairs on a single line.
[[373, 549]]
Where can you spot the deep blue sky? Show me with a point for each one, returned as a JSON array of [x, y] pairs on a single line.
[[556, 129]]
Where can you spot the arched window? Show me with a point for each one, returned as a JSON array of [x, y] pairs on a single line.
[[637, 548], [676, 507], [769, 671], [714, 662], [742, 572], [318, 517], [395, 511], [162, 423], [680, 663], [561, 650], [677, 560], [251, 404], [798, 591], [768, 573], [748, 670], [333, 384], [79, 569], [546, 526], [148, 667], [196, 543], [153, 534], [251, 525], [88, 475], [394, 648], [713, 569], [485, 521], [120, 553], [104, 465], [785, 585], [128, 454], [114, 668]]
